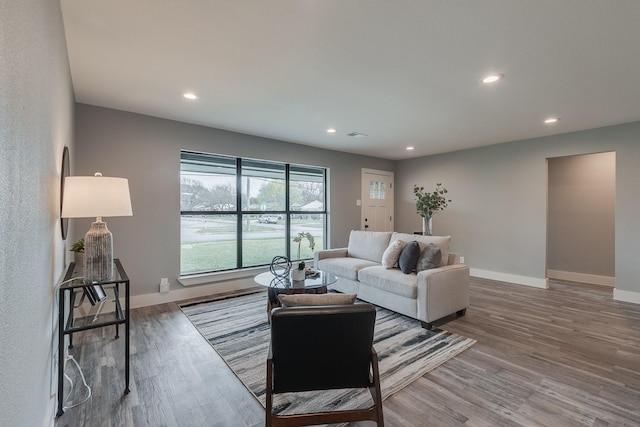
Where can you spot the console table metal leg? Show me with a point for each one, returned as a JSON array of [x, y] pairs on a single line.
[[60, 353], [126, 339]]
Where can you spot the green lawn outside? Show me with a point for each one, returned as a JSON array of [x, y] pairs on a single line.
[[221, 255]]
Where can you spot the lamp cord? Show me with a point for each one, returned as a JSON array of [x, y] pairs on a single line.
[[84, 381]]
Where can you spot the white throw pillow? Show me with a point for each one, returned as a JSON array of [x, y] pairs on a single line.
[[392, 253]]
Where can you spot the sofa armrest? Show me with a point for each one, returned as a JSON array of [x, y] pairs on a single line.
[[328, 253], [442, 291]]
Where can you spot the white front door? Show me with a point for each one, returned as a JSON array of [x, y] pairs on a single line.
[[377, 200]]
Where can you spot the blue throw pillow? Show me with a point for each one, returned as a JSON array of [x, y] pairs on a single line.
[[409, 257]]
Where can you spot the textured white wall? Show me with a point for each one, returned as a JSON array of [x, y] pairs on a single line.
[[36, 114]]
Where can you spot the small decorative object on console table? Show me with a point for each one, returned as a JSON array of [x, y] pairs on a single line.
[[78, 252], [89, 196], [427, 204]]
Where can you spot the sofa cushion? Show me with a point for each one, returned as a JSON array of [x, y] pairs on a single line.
[[392, 280], [369, 245], [429, 258], [344, 267], [409, 257], [441, 242], [315, 299], [392, 254]]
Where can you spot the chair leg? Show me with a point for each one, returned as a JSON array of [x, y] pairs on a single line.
[[375, 390], [269, 396]]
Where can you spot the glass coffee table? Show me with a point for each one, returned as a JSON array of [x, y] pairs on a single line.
[[284, 285]]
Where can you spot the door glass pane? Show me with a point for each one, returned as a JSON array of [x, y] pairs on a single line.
[[208, 243], [377, 190]]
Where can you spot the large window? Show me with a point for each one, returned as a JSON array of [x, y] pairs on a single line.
[[237, 213]]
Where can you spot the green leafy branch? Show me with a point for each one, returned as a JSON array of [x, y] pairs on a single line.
[[428, 203]]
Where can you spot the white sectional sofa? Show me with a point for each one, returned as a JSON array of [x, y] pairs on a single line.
[[427, 295]]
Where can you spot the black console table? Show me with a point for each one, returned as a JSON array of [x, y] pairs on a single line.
[[97, 293]]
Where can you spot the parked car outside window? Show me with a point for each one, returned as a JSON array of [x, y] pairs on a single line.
[[269, 219]]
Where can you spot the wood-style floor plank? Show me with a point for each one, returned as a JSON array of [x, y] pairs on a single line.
[[564, 356]]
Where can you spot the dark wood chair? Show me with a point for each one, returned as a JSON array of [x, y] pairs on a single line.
[[323, 348]]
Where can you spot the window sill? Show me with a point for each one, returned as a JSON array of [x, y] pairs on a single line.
[[222, 276]]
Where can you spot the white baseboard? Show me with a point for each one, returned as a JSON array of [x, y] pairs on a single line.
[[626, 296], [510, 278], [581, 277], [50, 418], [191, 292]]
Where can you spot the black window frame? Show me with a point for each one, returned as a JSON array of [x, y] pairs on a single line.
[[239, 212]]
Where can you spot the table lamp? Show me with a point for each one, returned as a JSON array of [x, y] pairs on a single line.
[[99, 196]]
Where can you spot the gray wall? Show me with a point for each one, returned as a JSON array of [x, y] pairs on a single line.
[[146, 150], [498, 217], [581, 220], [36, 115]]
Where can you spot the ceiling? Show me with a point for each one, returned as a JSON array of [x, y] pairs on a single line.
[[402, 72]]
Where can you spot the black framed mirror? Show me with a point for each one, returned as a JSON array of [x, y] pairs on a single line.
[[64, 222]]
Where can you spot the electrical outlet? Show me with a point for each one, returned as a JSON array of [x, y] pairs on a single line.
[[461, 260], [164, 285]]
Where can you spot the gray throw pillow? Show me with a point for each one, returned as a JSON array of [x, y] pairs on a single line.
[[299, 300], [430, 258], [409, 257]]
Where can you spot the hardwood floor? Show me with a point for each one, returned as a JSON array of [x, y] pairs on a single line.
[[565, 356]]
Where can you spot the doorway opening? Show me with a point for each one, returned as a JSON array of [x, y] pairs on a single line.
[[581, 218]]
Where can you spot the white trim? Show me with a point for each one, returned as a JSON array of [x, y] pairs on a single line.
[[510, 278], [582, 277], [221, 276], [191, 292], [627, 296], [50, 417]]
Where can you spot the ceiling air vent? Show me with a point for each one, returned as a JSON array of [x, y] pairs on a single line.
[[355, 134]]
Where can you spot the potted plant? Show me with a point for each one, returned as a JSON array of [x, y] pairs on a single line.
[[429, 203], [78, 252], [299, 272]]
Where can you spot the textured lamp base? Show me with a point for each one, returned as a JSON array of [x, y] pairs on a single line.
[[98, 253]]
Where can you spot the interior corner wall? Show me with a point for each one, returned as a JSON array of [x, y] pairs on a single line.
[[581, 217], [36, 122], [146, 150], [497, 217]]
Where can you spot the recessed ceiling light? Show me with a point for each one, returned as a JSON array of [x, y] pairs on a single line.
[[190, 95], [331, 130], [551, 120], [492, 78], [410, 148]]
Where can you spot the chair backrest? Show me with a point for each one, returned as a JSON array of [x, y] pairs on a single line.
[[324, 347]]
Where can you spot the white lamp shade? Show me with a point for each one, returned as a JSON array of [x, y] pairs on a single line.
[[96, 196]]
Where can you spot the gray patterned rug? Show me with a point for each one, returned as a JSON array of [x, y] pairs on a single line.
[[237, 329]]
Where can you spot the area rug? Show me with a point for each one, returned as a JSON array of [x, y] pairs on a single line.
[[238, 330]]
